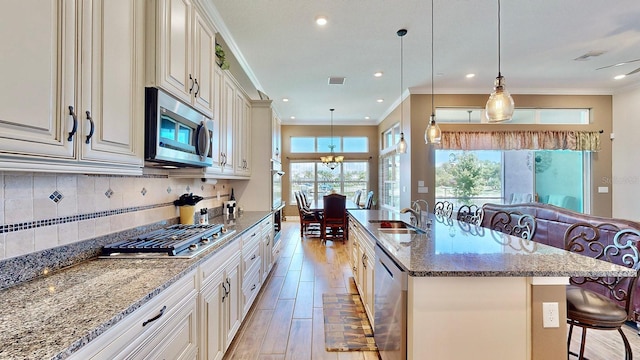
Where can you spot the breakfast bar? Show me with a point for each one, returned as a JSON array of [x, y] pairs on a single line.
[[475, 293]]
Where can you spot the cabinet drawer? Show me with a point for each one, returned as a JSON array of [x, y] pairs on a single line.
[[250, 289], [251, 258], [140, 325], [251, 237], [210, 266], [175, 340]]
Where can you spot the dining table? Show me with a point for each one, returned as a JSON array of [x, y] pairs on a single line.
[[318, 205]]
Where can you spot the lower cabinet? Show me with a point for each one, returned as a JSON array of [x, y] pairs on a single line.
[[163, 328], [220, 302], [362, 256]]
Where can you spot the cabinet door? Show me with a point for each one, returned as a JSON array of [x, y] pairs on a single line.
[[234, 300], [175, 47], [219, 135], [38, 74], [227, 119], [267, 255], [112, 82], [367, 297], [276, 146], [242, 137], [203, 64], [212, 310]]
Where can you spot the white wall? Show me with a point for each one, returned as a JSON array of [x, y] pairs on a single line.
[[626, 155]]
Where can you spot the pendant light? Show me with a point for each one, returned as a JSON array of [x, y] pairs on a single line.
[[500, 104], [432, 133], [332, 161], [401, 146]]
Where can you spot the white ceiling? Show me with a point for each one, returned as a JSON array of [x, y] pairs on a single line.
[[286, 54]]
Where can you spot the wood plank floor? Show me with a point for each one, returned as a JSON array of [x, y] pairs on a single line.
[[286, 322]]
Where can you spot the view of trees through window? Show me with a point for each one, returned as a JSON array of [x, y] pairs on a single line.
[[468, 177], [317, 180]]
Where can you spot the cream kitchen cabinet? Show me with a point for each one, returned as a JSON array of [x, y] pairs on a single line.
[[75, 92], [363, 257], [181, 52], [163, 328], [243, 134], [220, 301], [276, 146]]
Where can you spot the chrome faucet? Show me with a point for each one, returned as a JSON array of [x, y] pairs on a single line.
[[415, 215], [416, 210]]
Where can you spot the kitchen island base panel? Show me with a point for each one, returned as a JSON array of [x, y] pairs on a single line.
[[476, 318]]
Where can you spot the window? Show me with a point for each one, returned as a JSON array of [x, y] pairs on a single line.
[[520, 116], [320, 144], [391, 137], [557, 177], [390, 192], [317, 180]]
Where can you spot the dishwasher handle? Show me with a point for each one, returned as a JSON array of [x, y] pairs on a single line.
[[386, 268]]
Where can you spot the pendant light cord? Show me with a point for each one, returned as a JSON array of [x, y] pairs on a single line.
[[331, 147], [401, 82], [433, 112], [499, 46]]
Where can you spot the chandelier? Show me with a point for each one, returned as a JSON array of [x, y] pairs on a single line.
[[332, 160]]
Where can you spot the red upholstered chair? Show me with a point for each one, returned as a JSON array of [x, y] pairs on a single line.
[[601, 303], [334, 219]]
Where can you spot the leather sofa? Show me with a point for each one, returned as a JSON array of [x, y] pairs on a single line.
[[551, 225]]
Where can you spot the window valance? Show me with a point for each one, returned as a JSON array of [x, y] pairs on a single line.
[[521, 140]]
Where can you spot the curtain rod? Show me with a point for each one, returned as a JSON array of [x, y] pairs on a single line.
[[318, 158]]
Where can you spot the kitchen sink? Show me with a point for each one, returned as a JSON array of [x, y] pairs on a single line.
[[391, 224], [396, 227]]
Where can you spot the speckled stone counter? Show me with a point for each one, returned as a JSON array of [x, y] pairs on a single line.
[[453, 248], [54, 315]]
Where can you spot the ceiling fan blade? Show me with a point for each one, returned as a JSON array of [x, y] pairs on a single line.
[[618, 64], [634, 71]]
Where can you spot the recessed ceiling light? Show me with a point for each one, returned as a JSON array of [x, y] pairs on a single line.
[[377, 74], [469, 76], [292, 118], [618, 77], [321, 20], [367, 118], [285, 99], [380, 100]]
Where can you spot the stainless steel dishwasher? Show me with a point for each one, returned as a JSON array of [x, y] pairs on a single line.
[[390, 304]]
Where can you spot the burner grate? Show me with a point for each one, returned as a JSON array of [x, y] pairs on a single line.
[[171, 240]]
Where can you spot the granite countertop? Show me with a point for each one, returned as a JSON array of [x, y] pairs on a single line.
[[54, 315], [453, 248]]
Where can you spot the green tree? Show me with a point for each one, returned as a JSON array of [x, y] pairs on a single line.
[[466, 172]]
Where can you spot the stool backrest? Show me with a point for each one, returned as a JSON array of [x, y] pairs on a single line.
[[443, 208], [471, 214], [514, 223]]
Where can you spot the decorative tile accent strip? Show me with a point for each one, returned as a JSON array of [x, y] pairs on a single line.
[[56, 196], [67, 219]]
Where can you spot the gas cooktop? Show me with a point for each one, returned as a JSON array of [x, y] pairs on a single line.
[[176, 241]]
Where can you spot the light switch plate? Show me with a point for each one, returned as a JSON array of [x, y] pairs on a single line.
[[603, 189]]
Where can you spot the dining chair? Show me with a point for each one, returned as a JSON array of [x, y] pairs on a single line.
[[334, 218], [356, 197], [513, 223], [310, 221], [601, 303], [471, 214], [368, 203]]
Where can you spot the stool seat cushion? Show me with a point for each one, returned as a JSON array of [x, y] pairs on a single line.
[[588, 307]]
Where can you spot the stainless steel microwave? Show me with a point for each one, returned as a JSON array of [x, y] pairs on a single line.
[[176, 135]]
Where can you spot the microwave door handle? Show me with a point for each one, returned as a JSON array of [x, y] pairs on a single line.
[[203, 141]]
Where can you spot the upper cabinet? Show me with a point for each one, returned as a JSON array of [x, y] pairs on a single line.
[[181, 53], [276, 145], [74, 96], [243, 135]]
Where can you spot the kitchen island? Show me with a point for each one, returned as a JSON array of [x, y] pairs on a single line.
[[475, 293]]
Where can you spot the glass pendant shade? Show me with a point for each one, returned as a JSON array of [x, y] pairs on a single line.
[[332, 161], [401, 146], [433, 134], [500, 105]]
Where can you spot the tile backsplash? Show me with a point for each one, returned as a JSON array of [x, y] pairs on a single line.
[[41, 211]]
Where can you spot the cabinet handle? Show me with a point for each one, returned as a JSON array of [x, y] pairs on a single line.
[[224, 291], [92, 128], [192, 83], [75, 123], [155, 317], [229, 286], [253, 257], [253, 287], [198, 89]]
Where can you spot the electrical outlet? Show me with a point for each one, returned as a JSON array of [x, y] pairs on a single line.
[[550, 315]]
